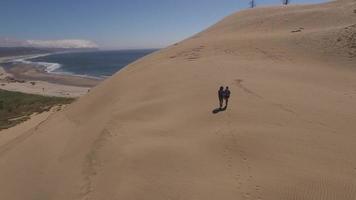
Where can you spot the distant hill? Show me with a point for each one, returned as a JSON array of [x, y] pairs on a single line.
[[19, 51], [14, 47]]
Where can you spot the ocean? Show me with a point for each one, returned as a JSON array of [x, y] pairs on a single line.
[[99, 64]]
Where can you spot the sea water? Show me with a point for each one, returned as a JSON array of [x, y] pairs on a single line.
[[99, 64]]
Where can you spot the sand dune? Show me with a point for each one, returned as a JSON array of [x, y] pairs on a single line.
[[149, 133]]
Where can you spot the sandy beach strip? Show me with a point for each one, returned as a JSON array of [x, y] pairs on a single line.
[[31, 79]]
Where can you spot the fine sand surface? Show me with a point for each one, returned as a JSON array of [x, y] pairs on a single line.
[[149, 132], [8, 136]]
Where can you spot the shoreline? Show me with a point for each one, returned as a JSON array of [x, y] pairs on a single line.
[[6, 59], [26, 78]]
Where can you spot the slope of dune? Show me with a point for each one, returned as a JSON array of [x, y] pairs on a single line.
[[149, 133]]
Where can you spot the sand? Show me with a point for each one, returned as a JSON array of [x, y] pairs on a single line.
[[41, 87], [149, 132], [17, 132], [33, 80], [31, 73]]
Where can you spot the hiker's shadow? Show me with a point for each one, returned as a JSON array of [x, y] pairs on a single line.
[[217, 110]]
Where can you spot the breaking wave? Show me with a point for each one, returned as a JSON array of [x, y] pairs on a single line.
[[48, 67]]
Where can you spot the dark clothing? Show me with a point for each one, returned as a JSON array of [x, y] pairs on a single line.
[[221, 97], [226, 96], [226, 102], [221, 100], [221, 94]]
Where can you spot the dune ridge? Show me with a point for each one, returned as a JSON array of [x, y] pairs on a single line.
[[148, 132]]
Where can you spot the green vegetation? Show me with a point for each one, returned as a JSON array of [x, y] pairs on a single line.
[[16, 107]]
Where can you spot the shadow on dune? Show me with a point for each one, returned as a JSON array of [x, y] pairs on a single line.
[[217, 110]]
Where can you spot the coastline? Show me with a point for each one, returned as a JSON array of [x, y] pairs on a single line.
[[24, 57], [27, 78]]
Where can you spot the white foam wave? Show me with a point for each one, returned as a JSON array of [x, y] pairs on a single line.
[[24, 59], [48, 67], [51, 67], [78, 75]]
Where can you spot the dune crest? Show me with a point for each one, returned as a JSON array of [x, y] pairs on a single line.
[[149, 133]]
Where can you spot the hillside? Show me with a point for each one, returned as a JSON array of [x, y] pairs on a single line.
[[149, 132]]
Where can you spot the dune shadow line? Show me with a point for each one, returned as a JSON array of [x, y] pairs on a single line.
[[217, 110]]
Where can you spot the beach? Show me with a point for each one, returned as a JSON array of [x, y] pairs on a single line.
[[27, 78], [150, 131], [70, 73]]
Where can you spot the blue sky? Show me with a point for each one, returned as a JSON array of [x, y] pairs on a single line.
[[116, 24]]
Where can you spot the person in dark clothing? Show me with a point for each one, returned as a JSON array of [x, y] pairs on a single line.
[[226, 96], [221, 96]]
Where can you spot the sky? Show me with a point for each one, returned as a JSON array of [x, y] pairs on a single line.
[[117, 24]]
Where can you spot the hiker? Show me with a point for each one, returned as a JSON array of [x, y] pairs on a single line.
[[226, 96], [221, 96]]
